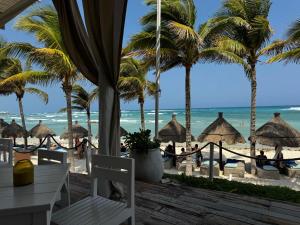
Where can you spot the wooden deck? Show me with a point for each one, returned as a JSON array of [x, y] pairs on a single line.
[[164, 204]]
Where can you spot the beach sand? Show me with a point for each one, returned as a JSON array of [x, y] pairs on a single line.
[[293, 183]]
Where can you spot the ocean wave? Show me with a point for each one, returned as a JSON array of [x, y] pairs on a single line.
[[153, 121], [292, 109], [59, 120], [153, 113], [94, 121], [128, 121], [36, 119]]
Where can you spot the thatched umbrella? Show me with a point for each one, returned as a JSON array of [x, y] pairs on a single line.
[[40, 131], [77, 130], [14, 130], [123, 132], [2, 125], [173, 131], [221, 131], [278, 132]]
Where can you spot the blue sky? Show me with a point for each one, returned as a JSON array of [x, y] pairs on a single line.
[[212, 85]]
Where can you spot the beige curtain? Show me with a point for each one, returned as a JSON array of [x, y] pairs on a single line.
[[95, 48]]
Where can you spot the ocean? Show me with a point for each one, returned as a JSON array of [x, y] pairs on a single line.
[[201, 118]]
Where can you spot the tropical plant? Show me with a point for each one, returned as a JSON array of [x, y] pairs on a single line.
[[52, 57], [140, 141], [182, 45], [13, 67], [244, 29], [82, 102], [287, 50], [133, 83]]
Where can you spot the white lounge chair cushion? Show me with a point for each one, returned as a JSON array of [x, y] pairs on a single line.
[[206, 163], [297, 166], [92, 211], [231, 165], [270, 168]]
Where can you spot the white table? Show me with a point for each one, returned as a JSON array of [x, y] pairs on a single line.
[[32, 204]]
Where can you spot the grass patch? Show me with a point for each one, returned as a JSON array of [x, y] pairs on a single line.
[[270, 192]]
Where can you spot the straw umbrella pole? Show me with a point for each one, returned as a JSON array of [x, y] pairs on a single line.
[[218, 132]]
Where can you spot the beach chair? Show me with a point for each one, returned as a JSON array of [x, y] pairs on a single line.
[[95, 209], [292, 169], [268, 172], [6, 152], [46, 157], [234, 167], [204, 168]]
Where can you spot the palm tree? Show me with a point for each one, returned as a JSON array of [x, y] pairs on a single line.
[[182, 45], [287, 50], [13, 68], [52, 57], [245, 30], [133, 83], [82, 102]]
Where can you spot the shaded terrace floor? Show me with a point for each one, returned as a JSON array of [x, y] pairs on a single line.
[[162, 204]]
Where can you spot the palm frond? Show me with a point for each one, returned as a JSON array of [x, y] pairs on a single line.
[[43, 95]]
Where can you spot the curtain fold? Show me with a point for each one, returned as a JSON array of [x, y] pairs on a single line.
[[95, 48]]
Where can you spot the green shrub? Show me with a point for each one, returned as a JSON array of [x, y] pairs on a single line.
[[269, 192], [140, 141]]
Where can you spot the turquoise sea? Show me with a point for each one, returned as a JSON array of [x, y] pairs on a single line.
[[201, 118]]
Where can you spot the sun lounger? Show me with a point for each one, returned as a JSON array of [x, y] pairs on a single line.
[[204, 168], [182, 165], [234, 167], [292, 169], [268, 172]]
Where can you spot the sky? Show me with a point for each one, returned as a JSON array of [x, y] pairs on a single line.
[[212, 85]]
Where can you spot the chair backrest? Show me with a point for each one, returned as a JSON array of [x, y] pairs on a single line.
[[6, 146], [46, 157], [117, 169]]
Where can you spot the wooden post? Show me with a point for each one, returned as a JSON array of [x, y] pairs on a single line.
[[48, 143], [220, 156], [211, 162]]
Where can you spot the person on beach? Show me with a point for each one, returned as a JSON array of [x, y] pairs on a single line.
[[170, 149], [123, 148], [279, 156], [261, 159], [199, 156], [78, 148], [181, 158]]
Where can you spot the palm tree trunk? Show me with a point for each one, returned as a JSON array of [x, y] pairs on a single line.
[[67, 88], [23, 119], [188, 118], [88, 153], [142, 111], [253, 118]]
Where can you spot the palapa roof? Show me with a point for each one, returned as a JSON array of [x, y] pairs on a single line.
[[78, 132], [123, 132], [2, 125], [11, 8], [221, 130], [13, 130], [278, 132], [173, 131], [40, 131]]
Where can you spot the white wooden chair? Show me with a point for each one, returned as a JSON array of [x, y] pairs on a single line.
[[46, 157], [95, 209], [6, 146]]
